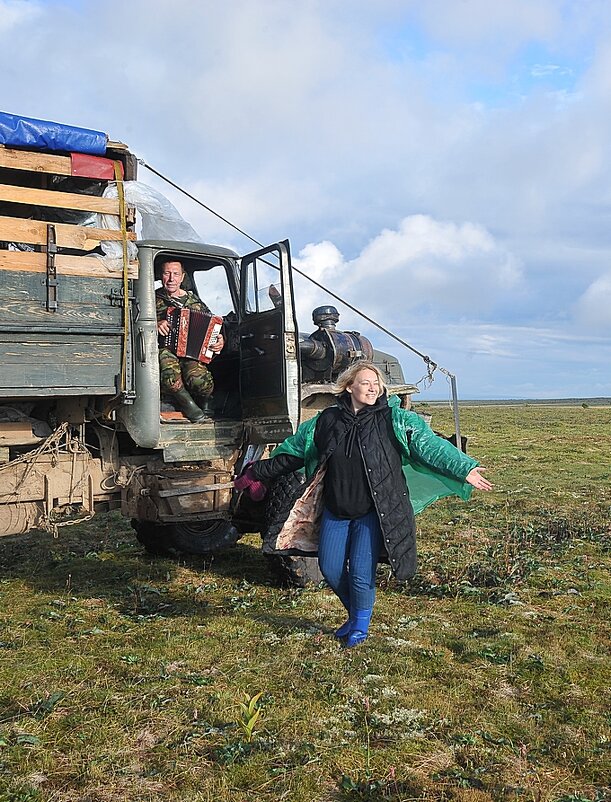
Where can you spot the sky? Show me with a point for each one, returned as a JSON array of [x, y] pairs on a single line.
[[443, 165]]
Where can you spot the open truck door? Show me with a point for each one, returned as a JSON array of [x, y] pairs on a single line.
[[269, 350]]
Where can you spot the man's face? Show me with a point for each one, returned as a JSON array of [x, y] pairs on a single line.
[[171, 277]]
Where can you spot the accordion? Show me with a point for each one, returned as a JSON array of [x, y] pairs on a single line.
[[191, 333]]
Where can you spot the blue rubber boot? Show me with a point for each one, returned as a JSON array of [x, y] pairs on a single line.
[[345, 628], [360, 628]]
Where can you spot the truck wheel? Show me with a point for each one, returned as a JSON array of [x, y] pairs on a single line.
[[204, 537], [201, 537], [289, 570], [155, 538], [297, 572]]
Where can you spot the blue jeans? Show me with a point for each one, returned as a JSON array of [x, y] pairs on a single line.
[[348, 553]]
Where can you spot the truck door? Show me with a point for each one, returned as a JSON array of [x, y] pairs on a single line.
[[269, 355]]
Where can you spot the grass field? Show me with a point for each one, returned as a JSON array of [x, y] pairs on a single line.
[[485, 678]]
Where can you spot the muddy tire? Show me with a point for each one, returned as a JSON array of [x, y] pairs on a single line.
[[200, 537], [156, 539], [295, 571], [204, 537]]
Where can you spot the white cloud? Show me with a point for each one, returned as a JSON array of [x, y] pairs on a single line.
[[491, 345], [324, 263], [474, 20], [593, 309], [16, 13], [546, 70], [450, 270], [436, 264]]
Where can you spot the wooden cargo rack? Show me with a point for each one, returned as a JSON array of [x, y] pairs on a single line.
[[27, 212], [65, 329]]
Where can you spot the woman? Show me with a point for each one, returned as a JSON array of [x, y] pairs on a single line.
[[365, 452]]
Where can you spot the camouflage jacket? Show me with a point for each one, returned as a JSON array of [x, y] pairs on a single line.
[[187, 301]]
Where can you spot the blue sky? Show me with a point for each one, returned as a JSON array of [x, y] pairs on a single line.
[[444, 165]]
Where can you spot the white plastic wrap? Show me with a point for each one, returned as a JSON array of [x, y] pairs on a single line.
[[159, 218]]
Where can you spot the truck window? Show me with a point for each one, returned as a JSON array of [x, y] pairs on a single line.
[[263, 287], [212, 287]]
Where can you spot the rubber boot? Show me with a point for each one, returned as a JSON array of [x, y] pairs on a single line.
[[206, 405], [360, 628], [344, 630], [188, 406]]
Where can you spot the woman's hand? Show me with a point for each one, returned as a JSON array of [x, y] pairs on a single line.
[[478, 481], [247, 483]]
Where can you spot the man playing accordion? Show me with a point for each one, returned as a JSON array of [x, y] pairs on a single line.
[[188, 382]]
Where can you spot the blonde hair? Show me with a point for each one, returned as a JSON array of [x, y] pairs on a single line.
[[347, 377]]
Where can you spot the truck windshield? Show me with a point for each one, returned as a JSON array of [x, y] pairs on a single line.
[[211, 286]]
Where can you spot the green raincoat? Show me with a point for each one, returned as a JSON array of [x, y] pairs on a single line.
[[432, 466]]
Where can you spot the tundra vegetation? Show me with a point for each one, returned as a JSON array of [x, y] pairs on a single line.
[[124, 677]]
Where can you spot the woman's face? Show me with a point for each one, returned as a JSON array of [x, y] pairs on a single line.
[[365, 389]]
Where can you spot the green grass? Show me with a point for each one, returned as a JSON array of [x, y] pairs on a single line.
[[485, 678]]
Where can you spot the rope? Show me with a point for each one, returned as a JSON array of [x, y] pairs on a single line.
[[121, 478], [57, 442], [123, 220], [201, 203], [50, 444]]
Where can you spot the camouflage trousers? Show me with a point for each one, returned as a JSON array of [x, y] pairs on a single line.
[[178, 372]]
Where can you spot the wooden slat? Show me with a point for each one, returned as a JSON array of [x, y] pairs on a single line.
[[110, 145], [84, 303], [15, 434], [31, 312], [66, 265], [58, 200], [34, 232], [56, 361], [36, 162]]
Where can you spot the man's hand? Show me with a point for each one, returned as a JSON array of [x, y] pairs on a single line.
[[163, 327], [219, 344], [478, 481]]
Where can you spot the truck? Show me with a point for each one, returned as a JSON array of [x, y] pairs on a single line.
[[83, 427]]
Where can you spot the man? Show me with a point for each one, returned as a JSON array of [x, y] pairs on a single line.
[[187, 381]]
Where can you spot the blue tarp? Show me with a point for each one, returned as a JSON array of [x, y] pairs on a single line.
[[29, 133]]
